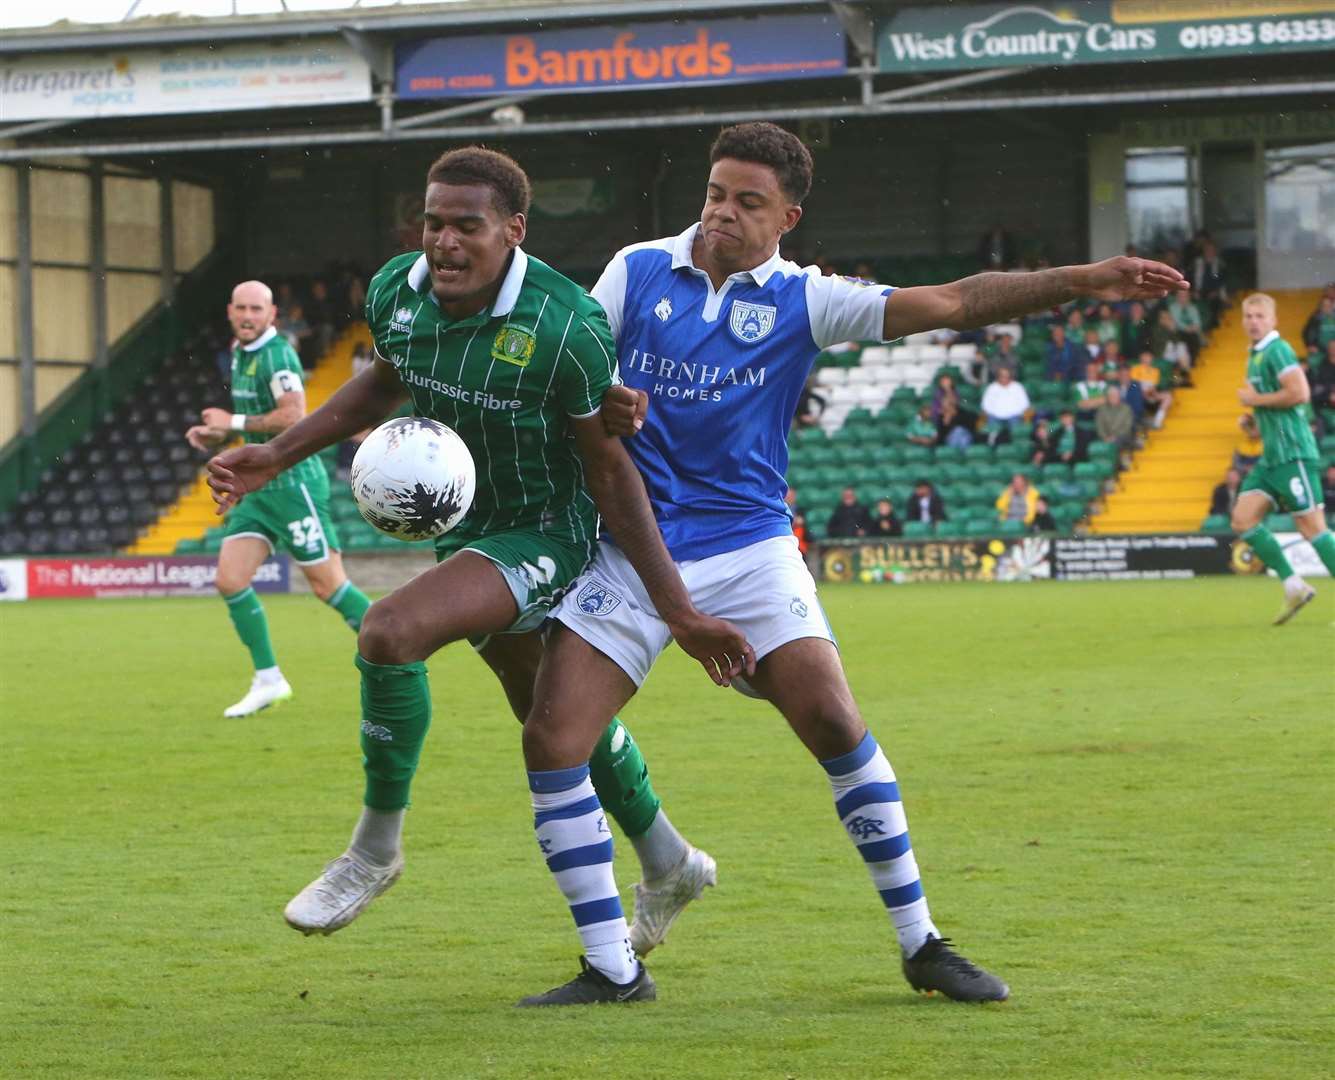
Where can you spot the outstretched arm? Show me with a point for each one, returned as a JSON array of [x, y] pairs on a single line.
[[989, 298], [359, 403], [619, 494]]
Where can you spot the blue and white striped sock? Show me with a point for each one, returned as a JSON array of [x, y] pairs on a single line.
[[574, 838], [866, 798]]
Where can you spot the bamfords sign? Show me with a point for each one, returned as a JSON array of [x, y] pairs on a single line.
[[624, 57], [1053, 32]]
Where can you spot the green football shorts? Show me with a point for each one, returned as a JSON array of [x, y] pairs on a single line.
[[538, 568], [1292, 486], [295, 519]]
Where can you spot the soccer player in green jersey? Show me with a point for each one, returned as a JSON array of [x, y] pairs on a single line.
[[517, 359], [292, 513], [1288, 476]]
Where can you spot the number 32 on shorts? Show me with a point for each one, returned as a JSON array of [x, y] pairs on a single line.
[[306, 532]]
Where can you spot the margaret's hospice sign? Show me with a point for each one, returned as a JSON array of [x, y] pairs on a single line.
[[624, 57]]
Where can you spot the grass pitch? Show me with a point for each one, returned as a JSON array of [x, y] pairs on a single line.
[[1120, 796]]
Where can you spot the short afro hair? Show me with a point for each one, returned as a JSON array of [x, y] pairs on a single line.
[[510, 190], [768, 144]]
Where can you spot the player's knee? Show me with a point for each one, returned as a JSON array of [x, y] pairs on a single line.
[[230, 582], [1240, 522], [544, 745], [323, 588], [386, 637]]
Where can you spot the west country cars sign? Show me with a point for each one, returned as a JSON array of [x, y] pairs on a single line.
[[947, 37]]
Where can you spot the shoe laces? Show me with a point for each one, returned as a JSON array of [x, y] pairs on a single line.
[[939, 950], [342, 874]]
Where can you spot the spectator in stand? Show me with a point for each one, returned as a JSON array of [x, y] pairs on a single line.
[[1207, 278], [1043, 519], [1226, 494], [956, 425], [1005, 403], [1136, 330], [1091, 390], [921, 430], [1187, 318], [1018, 501], [1322, 385], [320, 314], [1068, 442], [1328, 487], [1108, 325], [1001, 354], [1166, 343], [298, 332], [850, 518], [1092, 345], [996, 249], [347, 449], [1249, 447], [810, 406], [799, 516], [884, 522], [1112, 358], [1041, 449], [1114, 421], [1132, 395], [355, 296], [1150, 377], [944, 391], [1075, 326], [925, 504], [1319, 331], [1065, 361]]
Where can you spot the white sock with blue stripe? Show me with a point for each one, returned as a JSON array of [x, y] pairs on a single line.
[[574, 838], [866, 798]]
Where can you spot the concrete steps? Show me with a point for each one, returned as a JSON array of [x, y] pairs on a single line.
[[1168, 487], [193, 514]]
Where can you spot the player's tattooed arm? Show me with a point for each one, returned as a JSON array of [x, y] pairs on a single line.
[[619, 494], [990, 298], [290, 408]]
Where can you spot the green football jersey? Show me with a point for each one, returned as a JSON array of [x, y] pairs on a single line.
[[506, 380], [262, 372], [1285, 433]]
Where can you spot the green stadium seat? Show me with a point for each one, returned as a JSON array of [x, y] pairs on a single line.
[[1102, 451], [189, 546], [978, 527], [917, 530], [1011, 528], [1216, 523], [952, 528], [1280, 523], [1054, 472], [858, 418], [917, 455], [211, 545], [978, 453]]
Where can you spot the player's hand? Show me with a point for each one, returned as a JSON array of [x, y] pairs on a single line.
[[235, 473], [720, 647], [202, 437], [624, 411], [218, 419], [1247, 396], [1124, 277]]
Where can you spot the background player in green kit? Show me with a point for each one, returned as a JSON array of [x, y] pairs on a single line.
[[292, 513], [517, 359], [1288, 476]]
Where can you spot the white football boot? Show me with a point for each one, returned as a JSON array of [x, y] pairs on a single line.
[[260, 696], [658, 905], [339, 894], [1294, 601]]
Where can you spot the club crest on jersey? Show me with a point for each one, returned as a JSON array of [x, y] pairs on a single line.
[[597, 599], [402, 321], [514, 345], [250, 371], [750, 322], [663, 309]]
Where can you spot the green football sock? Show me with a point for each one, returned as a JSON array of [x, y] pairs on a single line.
[[396, 712], [252, 627], [1324, 545], [1263, 542], [621, 779], [350, 602]]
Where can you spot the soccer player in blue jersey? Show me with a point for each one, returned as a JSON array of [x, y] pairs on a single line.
[[719, 332]]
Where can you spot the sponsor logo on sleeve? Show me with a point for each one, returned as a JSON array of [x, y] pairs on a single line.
[[402, 321]]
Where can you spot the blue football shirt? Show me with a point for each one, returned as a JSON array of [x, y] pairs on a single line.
[[723, 371]]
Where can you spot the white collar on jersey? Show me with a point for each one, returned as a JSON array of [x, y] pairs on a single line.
[[1259, 345], [510, 287], [262, 340], [681, 258]]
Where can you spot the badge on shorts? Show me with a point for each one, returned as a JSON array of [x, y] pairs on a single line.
[[798, 607], [597, 599], [514, 345], [750, 322]]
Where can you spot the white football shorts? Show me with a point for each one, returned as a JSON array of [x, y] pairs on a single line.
[[765, 589]]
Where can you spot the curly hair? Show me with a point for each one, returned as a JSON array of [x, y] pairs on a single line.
[[768, 144], [510, 190]]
